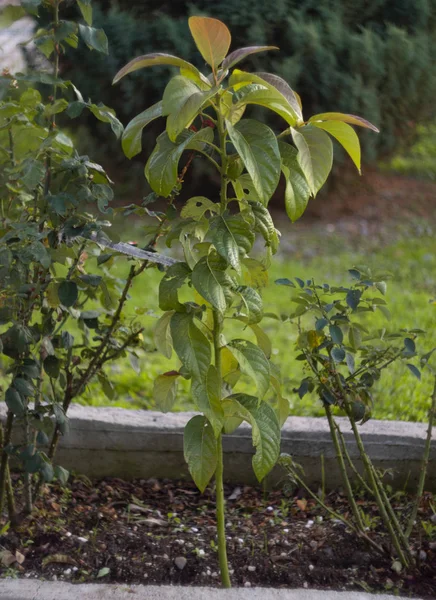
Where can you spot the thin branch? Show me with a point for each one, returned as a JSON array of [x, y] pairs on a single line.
[[424, 464]]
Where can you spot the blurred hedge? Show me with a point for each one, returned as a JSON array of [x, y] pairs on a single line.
[[369, 57]]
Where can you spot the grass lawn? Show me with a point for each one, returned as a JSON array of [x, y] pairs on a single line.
[[324, 253]]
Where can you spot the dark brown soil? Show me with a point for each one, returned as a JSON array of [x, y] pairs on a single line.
[[138, 532]]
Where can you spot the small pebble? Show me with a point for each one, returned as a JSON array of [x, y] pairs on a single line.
[[422, 555], [247, 584], [75, 569], [194, 529], [240, 540], [251, 568], [270, 509], [311, 567], [68, 534], [82, 540], [180, 562], [54, 578], [228, 524], [165, 557], [433, 518], [305, 585], [285, 530], [214, 574], [309, 524], [201, 552], [67, 572]]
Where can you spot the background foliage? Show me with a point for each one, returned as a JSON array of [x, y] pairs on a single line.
[[369, 58]]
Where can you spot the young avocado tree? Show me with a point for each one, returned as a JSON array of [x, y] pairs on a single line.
[[219, 282]]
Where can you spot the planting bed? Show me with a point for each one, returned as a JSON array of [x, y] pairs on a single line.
[[162, 532]]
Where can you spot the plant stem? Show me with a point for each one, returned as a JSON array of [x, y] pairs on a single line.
[[222, 137], [336, 515], [8, 484], [220, 516], [27, 477], [343, 469], [10, 497], [220, 502], [5, 458], [52, 125], [350, 462], [424, 464], [376, 491], [322, 477]]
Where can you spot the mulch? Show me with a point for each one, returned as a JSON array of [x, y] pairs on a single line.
[[163, 532]]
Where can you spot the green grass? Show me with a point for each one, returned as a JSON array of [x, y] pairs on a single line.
[[409, 256], [420, 159]]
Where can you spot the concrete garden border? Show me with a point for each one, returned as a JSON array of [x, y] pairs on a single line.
[[21, 589], [117, 442]]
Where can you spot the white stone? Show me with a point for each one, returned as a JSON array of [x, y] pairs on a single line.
[[180, 562]]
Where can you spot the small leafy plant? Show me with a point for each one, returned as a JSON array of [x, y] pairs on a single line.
[[61, 322], [344, 359], [217, 287]]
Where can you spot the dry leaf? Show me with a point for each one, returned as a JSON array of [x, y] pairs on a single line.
[[302, 504], [58, 558], [7, 558], [154, 522], [136, 508]]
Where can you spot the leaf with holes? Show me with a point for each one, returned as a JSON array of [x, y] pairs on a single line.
[[232, 237], [258, 148], [173, 279], [197, 207]]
